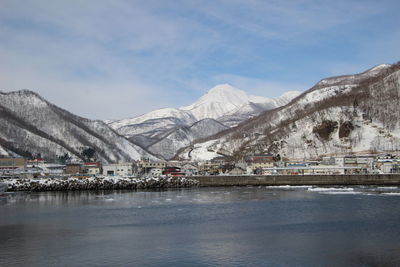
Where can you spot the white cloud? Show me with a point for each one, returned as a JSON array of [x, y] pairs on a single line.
[[83, 55]]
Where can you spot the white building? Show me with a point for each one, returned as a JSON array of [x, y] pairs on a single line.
[[120, 168], [339, 161], [50, 168], [156, 171], [390, 167], [93, 170]]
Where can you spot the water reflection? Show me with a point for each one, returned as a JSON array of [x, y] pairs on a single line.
[[241, 226]]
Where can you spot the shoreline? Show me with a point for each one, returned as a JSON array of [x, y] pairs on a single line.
[[296, 180], [163, 182], [95, 183]]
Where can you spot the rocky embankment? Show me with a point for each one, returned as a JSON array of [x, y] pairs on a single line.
[[93, 183]]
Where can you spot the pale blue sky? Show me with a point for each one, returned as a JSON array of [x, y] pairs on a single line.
[[118, 59]]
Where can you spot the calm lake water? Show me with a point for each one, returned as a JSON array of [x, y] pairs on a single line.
[[231, 226]]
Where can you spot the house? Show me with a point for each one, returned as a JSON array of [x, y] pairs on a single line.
[[339, 161], [52, 168], [260, 158], [358, 164], [146, 166], [257, 165], [73, 168], [173, 171], [38, 162], [92, 168], [12, 163], [260, 161], [210, 168], [120, 168], [156, 171], [390, 167], [189, 169], [327, 161]]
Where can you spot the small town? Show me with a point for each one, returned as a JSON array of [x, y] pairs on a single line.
[[260, 164], [199, 133]]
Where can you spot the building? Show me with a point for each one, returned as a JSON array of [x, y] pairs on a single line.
[[120, 168], [260, 161], [210, 168], [12, 163], [189, 169], [261, 158], [257, 165], [146, 166], [12, 166], [35, 163], [390, 167], [359, 164], [92, 168], [156, 171], [73, 168], [339, 161], [51, 168], [173, 171], [327, 161], [237, 171]]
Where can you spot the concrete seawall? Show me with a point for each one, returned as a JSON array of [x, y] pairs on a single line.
[[371, 179]]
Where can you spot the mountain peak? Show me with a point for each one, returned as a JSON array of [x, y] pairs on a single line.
[[379, 67], [224, 99], [22, 92], [290, 94], [217, 102], [353, 78], [225, 87], [224, 93]]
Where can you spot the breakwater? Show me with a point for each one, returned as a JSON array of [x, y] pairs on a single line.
[[108, 183], [344, 180]]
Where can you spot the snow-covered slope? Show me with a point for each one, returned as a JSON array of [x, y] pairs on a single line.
[[347, 114], [30, 126], [352, 79], [178, 114], [226, 100], [252, 109], [223, 103], [219, 101], [183, 136]]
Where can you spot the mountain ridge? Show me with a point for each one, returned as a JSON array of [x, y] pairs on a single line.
[[222, 103], [33, 126], [341, 114], [266, 132]]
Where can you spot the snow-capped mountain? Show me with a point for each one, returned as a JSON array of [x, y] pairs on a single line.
[[252, 109], [223, 106], [168, 146], [31, 126], [221, 100], [178, 114], [339, 115]]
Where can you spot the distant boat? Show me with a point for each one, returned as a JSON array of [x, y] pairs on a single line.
[[3, 187]]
